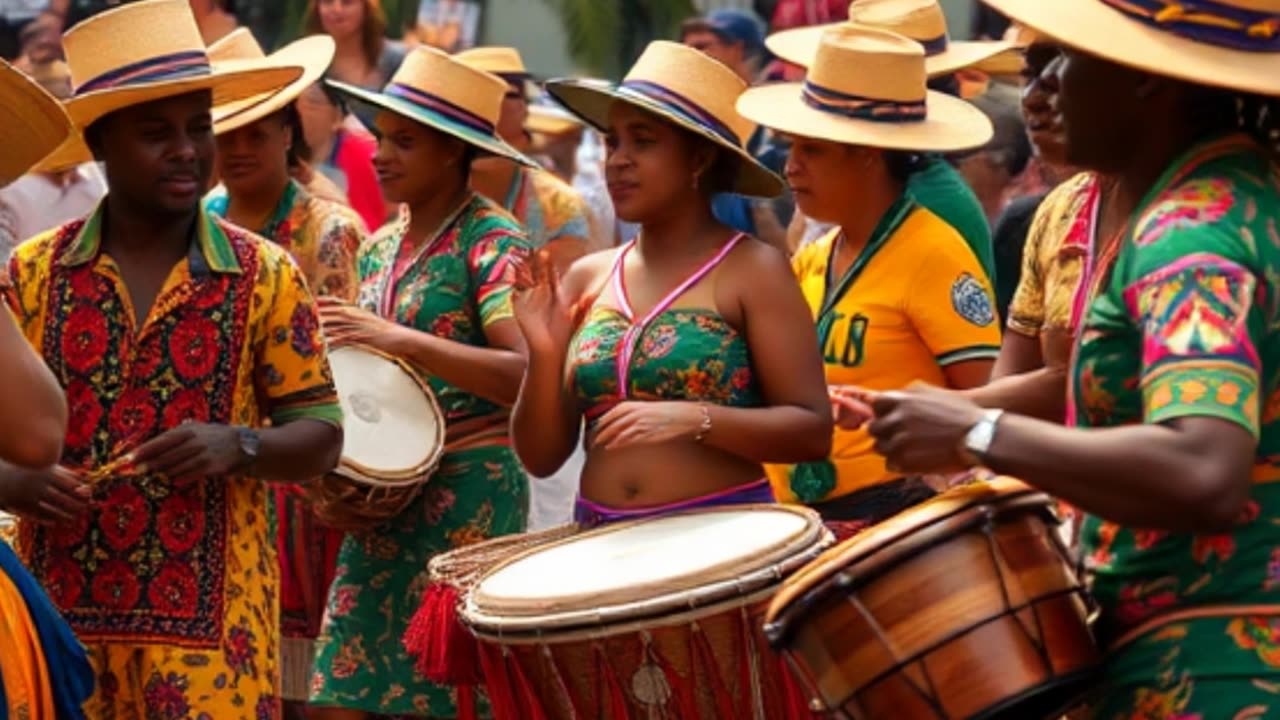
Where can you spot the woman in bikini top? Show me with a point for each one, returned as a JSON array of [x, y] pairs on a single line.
[[690, 351]]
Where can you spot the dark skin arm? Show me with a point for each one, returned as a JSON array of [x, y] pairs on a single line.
[[1188, 475], [1023, 382], [34, 420], [296, 452], [492, 372]]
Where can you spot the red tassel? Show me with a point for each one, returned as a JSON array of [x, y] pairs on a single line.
[[502, 700], [704, 655], [797, 697], [614, 698], [467, 703], [446, 652]]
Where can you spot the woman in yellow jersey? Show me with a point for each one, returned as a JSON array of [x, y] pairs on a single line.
[[897, 294]]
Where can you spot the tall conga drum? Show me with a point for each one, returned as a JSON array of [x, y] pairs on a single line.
[[964, 607], [657, 618]]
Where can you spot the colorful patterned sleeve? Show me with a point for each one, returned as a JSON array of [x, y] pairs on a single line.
[[340, 240], [951, 303], [292, 366], [1027, 311], [498, 241], [1200, 323]]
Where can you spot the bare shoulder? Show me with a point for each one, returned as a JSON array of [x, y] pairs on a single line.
[[588, 273], [758, 264]]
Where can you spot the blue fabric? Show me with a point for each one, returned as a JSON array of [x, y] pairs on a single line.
[[70, 674]]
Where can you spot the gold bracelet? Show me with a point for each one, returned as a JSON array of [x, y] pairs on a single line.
[[705, 428]]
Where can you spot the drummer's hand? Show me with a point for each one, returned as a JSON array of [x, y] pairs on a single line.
[[539, 304], [851, 406], [646, 423], [53, 496], [921, 429], [347, 324], [191, 452]]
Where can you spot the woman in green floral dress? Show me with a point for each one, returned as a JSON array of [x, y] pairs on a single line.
[[1174, 372], [434, 291]]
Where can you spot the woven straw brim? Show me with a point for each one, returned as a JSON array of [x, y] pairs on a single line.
[[312, 54], [952, 124], [1100, 30], [551, 121], [487, 144], [591, 102], [229, 81], [800, 45], [32, 124], [71, 153]]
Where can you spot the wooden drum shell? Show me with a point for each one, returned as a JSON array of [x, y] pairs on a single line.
[[975, 615]]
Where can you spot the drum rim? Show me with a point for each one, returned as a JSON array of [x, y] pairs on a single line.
[[396, 478], [848, 566], [580, 633], [790, 554]]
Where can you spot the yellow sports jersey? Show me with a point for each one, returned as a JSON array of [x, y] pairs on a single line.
[[918, 301]]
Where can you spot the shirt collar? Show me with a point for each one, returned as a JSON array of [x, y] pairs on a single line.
[[210, 251]]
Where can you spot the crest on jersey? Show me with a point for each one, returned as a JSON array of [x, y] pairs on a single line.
[[971, 301]]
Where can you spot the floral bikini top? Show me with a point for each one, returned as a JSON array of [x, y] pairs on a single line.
[[669, 354]]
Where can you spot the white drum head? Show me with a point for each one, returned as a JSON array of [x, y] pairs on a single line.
[[391, 426], [682, 560]]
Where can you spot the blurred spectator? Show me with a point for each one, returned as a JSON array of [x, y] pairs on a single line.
[[990, 169], [988, 24], [365, 57], [216, 18], [40, 42], [52, 195], [15, 15], [736, 38], [342, 153]]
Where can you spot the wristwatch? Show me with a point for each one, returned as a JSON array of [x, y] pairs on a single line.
[[977, 442], [250, 443]]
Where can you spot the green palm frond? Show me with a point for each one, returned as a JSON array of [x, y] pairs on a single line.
[[606, 36]]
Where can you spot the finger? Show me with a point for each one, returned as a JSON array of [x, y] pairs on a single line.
[[168, 462], [854, 406], [608, 427], [48, 513], [885, 426], [884, 403], [70, 483], [69, 501], [629, 437], [190, 470], [160, 445]]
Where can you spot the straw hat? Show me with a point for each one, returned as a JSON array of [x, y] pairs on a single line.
[[1232, 44], [505, 62], [547, 120], [32, 123], [868, 87], [689, 89], [442, 93], [150, 50], [313, 54], [920, 20]]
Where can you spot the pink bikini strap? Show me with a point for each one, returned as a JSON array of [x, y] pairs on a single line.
[[626, 349]]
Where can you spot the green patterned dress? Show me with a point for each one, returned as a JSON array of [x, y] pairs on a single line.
[[1185, 325], [453, 287]]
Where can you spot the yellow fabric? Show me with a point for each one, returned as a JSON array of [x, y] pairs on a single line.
[[281, 373], [27, 691], [1052, 260], [899, 322]]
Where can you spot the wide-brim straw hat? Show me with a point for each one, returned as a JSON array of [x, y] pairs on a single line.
[[437, 90], [868, 87], [545, 120], [32, 123], [505, 62], [920, 20], [687, 88], [150, 50], [1232, 44], [313, 54]]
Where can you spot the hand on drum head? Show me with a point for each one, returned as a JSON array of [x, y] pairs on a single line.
[[345, 324], [541, 309], [851, 406], [191, 452], [55, 496], [921, 429]]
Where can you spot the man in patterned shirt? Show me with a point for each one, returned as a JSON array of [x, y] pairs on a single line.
[[177, 338]]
